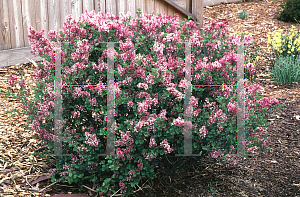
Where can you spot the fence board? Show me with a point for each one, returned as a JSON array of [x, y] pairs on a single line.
[[122, 6], [38, 15], [131, 7], [5, 42], [198, 11], [87, 5], [157, 7], [66, 9], [54, 15], [189, 5], [100, 6], [111, 6], [28, 12], [15, 23], [42, 16], [141, 5], [150, 6], [76, 8], [165, 8], [17, 15], [171, 11]]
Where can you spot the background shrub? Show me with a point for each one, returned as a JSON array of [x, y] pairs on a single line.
[[290, 11]]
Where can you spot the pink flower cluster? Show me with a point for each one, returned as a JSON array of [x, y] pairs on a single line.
[[214, 154], [12, 80], [152, 142], [166, 146], [203, 131], [91, 139], [122, 152], [125, 140], [142, 85]]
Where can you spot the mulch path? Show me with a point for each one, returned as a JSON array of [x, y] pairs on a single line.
[[265, 173]]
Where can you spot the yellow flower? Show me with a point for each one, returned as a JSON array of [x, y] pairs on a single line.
[[293, 49]]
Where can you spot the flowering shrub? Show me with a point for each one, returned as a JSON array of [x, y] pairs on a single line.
[[149, 95], [252, 59]]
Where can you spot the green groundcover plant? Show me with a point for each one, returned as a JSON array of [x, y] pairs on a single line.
[[286, 70], [149, 87]]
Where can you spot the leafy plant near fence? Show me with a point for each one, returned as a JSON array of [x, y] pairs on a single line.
[[149, 87]]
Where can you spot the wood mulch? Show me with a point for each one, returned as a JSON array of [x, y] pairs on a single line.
[[266, 173]]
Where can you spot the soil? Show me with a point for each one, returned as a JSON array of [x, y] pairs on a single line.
[[273, 172]]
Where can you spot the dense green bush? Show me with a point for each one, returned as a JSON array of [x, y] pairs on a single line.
[[290, 11]]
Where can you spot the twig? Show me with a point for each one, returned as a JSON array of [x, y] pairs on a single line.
[[47, 187], [89, 188], [40, 149], [116, 194], [28, 182], [32, 61]]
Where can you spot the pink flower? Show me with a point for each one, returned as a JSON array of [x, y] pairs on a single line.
[[76, 114], [251, 68], [121, 70], [163, 114], [12, 79], [209, 105], [91, 139], [149, 79], [139, 125], [220, 128], [77, 92], [93, 102], [221, 116], [166, 146], [203, 131], [232, 108], [214, 154], [63, 174], [152, 142], [143, 107], [142, 85], [252, 149], [130, 104], [178, 122], [35, 125]]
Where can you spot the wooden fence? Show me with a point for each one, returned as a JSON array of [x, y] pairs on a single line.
[[16, 16]]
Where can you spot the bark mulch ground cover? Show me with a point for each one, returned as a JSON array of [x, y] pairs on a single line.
[[265, 173]]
